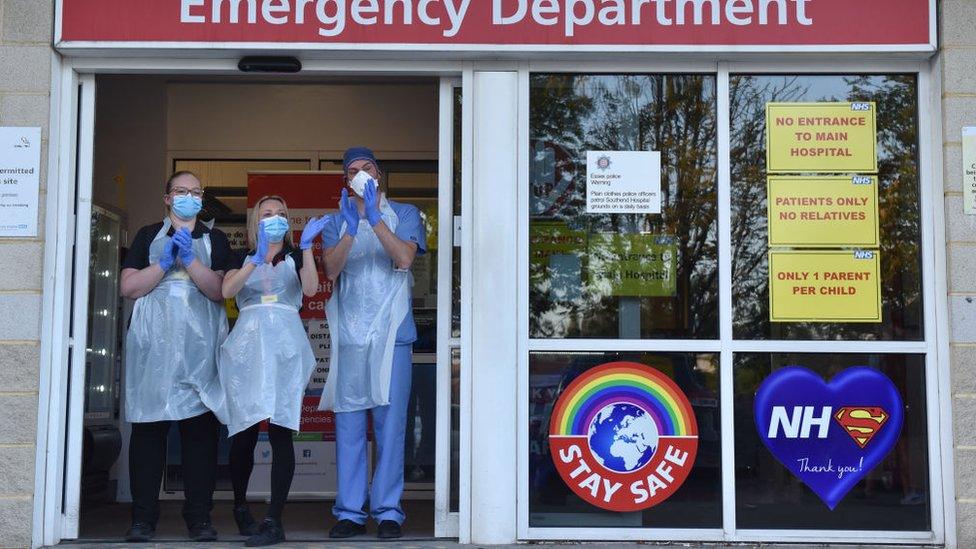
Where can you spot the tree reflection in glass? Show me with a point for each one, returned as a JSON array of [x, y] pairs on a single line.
[[897, 115], [578, 277]]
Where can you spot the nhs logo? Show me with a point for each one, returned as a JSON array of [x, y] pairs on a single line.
[[799, 422]]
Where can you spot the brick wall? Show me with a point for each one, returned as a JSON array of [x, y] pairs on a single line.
[[25, 68], [959, 109]]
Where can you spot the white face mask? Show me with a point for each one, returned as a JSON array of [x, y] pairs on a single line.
[[359, 182]]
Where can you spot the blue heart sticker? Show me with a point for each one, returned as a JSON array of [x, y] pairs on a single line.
[[829, 435]]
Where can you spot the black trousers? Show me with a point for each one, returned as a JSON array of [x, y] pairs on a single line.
[[147, 454], [282, 465]]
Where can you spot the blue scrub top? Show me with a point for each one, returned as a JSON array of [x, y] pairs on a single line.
[[410, 227]]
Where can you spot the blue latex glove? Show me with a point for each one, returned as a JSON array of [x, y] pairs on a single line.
[[311, 231], [169, 256], [262, 248], [184, 246], [372, 200], [350, 214]]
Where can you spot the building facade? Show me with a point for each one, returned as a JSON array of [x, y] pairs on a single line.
[[501, 129]]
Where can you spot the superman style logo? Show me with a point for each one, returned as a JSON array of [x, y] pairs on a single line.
[[861, 422]]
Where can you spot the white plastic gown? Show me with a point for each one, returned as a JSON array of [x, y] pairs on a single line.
[[171, 345], [267, 360], [368, 304]]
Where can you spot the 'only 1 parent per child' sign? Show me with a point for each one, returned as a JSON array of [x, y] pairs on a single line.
[[623, 182], [821, 138]]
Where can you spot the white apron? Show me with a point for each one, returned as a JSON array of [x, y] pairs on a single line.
[[368, 304], [267, 360], [171, 345]]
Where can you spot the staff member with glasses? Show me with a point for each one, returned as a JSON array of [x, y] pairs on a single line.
[[174, 270]]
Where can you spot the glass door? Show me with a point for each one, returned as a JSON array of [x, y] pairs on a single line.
[[448, 372]]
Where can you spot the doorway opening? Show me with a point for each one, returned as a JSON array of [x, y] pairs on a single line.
[[237, 134]]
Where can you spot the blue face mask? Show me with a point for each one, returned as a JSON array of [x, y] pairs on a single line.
[[275, 227], [187, 206]]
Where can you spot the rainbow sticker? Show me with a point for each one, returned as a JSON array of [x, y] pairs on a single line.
[[623, 436]]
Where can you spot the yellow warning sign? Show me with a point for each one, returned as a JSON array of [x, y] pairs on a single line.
[[823, 211], [821, 138], [825, 286]]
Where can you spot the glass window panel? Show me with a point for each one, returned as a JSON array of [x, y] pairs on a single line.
[[696, 504], [899, 216], [581, 284], [893, 496]]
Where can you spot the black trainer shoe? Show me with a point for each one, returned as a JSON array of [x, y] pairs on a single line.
[[202, 531], [389, 529], [270, 532], [140, 532], [346, 528], [246, 524]]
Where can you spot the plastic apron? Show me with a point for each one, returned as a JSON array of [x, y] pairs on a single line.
[[368, 304], [266, 362], [171, 345]]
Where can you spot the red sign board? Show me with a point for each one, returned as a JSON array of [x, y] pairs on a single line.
[[716, 25]]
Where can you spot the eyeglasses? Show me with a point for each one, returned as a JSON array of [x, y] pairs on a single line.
[[180, 191]]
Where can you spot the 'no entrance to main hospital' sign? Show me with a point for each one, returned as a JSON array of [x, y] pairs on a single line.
[[683, 25]]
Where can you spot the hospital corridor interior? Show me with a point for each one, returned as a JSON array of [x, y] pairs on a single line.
[[246, 137]]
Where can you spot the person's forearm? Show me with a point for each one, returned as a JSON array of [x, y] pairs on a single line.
[[234, 280], [139, 282], [309, 274], [335, 258], [401, 251], [208, 281]]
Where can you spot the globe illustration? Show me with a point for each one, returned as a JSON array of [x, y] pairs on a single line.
[[623, 437]]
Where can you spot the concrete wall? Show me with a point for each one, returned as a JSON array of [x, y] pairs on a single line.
[[959, 109], [25, 80]]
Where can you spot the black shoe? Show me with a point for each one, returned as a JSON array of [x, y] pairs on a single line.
[[246, 524], [270, 532], [389, 529], [203, 531], [346, 528], [140, 532]]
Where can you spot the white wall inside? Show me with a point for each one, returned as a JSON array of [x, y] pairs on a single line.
[[143, 123]]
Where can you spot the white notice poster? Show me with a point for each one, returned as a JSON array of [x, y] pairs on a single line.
[[622, 182], [20, 173], [969, 170]]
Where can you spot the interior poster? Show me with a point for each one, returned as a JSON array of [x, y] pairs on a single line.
[[823, 211], [825, 286], [821, 138], [307, 194]]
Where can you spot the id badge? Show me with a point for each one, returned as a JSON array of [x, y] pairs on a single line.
[[269, 299]]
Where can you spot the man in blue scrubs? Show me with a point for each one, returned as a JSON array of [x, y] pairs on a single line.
[[370, 245]]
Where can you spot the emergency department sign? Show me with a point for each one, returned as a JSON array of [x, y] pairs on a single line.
[[532, 25], [623, 436], [829, 435]]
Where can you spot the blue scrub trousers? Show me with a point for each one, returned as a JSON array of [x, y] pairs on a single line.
[[389, 430]]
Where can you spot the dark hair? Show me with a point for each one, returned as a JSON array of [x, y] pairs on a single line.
[[181, 173]]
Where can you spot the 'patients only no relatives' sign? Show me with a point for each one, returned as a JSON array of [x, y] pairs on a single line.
[[701, 25]]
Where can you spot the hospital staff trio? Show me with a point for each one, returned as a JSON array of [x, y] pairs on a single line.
[[184, 367]]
